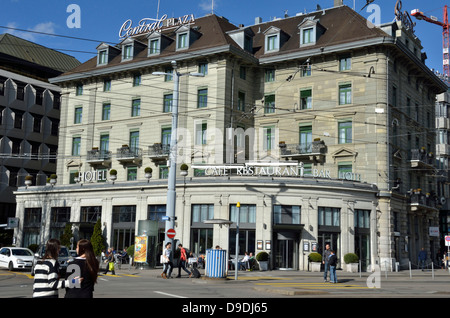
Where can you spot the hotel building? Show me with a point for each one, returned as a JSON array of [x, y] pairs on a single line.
[[320, 125]]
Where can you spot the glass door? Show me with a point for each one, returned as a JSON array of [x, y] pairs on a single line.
[[284, 258]]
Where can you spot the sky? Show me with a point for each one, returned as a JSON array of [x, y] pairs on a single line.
[[81, 28]]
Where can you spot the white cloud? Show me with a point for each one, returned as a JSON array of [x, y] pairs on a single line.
[[46, 27]]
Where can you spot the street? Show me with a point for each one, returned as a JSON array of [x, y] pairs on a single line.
[[136, 283]]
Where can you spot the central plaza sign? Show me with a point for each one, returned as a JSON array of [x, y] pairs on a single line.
[[149, 25]]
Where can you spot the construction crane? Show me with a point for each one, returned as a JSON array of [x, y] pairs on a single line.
[[446, 35]]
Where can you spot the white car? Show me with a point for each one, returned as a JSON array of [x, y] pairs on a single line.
[[16, 258]]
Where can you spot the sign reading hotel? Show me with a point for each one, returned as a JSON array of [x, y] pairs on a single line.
[[149, 25]]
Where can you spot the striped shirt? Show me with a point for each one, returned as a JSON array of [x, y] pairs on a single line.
[[46, 279]]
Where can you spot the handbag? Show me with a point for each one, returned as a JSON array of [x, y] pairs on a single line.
[[111, 266], [163, 260]]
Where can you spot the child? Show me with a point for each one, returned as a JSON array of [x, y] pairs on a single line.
[[332, 262]]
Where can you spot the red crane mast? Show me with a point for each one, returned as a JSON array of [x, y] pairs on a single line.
[[446, 35]]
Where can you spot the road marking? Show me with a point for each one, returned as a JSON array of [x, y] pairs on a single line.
[[27, 275], [170, 295]]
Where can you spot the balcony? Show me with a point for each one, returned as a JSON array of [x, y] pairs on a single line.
[[313, 151], [420, 201], [159, 152], [98, 157], [422, 160], [127, 154]]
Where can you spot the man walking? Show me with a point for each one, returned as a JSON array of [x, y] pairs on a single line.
[[182, 261], [422, 258], [325, 260]]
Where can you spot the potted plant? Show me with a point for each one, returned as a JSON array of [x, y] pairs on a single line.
[[184, 168], [28, 180], [263, 260], [130, 252], [148, 172], [352, 262], [53, 178], [113, 174], [316, 261]]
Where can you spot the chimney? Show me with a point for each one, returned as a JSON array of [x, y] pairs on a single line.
[[338, 3], [258, 20]]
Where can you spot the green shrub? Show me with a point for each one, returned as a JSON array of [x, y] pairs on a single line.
[[113, 172], [184, 167], [262, 257], [130, 251], [351, 258], [315, 257], [148, 170]]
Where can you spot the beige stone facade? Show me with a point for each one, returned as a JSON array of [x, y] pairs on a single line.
[[351, 114]]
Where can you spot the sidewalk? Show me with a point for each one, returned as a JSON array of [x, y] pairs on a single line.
[[416, 283]]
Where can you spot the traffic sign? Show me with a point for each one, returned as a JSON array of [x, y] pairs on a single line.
[[447, 241], [170, 233]]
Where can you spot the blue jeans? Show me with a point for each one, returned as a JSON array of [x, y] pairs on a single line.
[[333, 277], [326, 268]]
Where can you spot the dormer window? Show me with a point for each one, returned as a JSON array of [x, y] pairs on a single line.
[[185, 37], [106, 53], [310, 31], [157, 43], [127, 52], [307, 37], [131, 48], [243, 37], [274, 39]]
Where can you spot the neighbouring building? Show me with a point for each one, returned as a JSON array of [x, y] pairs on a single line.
[[320, 125], [29, 115]]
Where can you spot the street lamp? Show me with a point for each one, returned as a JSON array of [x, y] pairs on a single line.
[[171, 191], [238, 207]]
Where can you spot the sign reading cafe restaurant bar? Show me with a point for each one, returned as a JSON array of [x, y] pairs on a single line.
[[272, 170]]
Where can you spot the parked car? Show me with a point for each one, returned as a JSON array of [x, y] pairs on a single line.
[[64, 258], [16, 258]]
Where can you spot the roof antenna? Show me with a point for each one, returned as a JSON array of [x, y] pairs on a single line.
[[157, 12]]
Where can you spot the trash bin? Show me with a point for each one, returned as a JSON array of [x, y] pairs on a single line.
[[216, 263]]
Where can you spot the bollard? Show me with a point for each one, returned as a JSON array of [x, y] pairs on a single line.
[[432, 270], [410, 273]]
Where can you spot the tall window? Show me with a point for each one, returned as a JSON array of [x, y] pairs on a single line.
[[362, 219], [106, 111], [269, 104], [107, 85], [136, 107], [203, 68], [202, 212], [345, 64], [345, 94], [78, 115], [241, 101], [269, 138], [124, 213], [104, 143], [345, 132], [343, 169], [169, 76], [201, 133], [132, 173], [269, 76], [247, 213], [134, 140], [306, 99], [156, 212], [168, 103], [202, 100], [137, 78], [76, 146], [79, 90], [305, 139], [166, 134]]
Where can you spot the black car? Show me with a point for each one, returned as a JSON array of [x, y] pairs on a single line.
[[64, 258]]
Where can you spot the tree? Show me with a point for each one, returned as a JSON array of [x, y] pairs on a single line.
[[67, 235], [97, 239]]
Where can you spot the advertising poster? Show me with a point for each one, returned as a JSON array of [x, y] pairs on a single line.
[[140, 249]]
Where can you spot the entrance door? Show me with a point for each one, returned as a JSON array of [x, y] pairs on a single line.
[[284, 257]]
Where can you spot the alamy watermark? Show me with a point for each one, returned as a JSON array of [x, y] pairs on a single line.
[[74, 19]]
